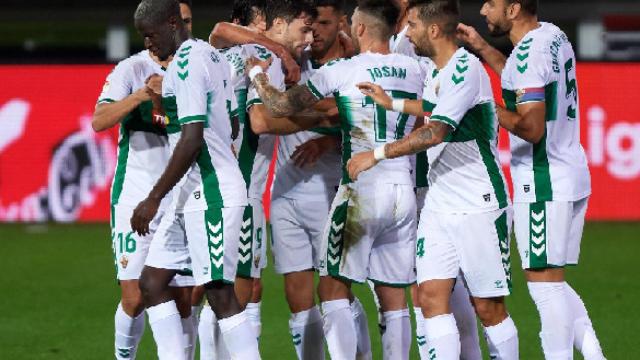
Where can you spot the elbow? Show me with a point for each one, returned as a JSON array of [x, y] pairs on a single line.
[[536, 137], [96, 125], [259, 126], [215, 34]]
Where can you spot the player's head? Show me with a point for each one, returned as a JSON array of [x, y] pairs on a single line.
[[186, 14], [375, 19], [431, 21], [500, 14], [289, 23], [331, 19], [249, 13], [160, 24]]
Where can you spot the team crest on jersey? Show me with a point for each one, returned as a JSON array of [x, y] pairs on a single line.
[[196, 195], [527, 188], [256, 261], [124, 261]]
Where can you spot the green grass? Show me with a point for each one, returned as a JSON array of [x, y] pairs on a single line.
[[59, 295]]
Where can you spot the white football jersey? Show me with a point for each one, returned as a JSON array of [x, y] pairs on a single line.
[[542, 67], [197, 89], [464, 171], [366, 125], [317, 182], [236, 57], [143, 147]]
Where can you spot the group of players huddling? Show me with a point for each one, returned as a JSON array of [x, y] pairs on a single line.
[[375, 126]]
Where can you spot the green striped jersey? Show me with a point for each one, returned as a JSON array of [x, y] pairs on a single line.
[[464, 172], [197, 89], [366, 125], [542, 67], [143, 147]]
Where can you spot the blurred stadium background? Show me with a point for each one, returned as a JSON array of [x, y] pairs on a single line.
[[58, 282]]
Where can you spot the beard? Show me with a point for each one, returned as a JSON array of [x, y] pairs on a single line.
[[424, 49]]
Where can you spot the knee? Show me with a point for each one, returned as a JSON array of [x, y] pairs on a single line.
[[391, 299], [490, 312], [222, 298], [432, 301], [257, 290], [132, 304], [332, 289], [150, 287]]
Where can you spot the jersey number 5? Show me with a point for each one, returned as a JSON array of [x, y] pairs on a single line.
[[572, 89]]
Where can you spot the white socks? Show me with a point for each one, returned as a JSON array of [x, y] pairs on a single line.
[[167, 330], [239, 337], [585, 339], [555, 317], [443, 340], [189, 333], [307, 334], [128, 332], [396, 339], [467, 324], [421, 337], [503, 340], [253, 313], [339, 329], [211, 343], [363, 340]]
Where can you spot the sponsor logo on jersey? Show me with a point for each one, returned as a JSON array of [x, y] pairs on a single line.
[[487, 197], [527, 188], [196, 195]]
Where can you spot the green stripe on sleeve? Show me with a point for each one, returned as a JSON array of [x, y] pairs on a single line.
[[445, 120], [314, 90], [121, 167], [192, 119]]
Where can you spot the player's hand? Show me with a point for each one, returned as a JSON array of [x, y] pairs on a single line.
[[377, 93], [291, 68], [154, 84], [253, 61], [308, 153], [360, 162], [143, 214], [469, 35], [348, 50]]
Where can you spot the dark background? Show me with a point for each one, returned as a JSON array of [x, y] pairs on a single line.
[[74, 31]]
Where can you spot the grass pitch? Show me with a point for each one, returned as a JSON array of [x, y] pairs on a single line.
[[59, 295]]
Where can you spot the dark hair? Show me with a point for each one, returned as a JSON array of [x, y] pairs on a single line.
[[157, 11], [445, 13], [289, 10], [246, 11], [186, 2], [337, 5], [384, 10], [530, 6]]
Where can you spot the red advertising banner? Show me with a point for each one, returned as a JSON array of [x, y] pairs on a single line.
[[54, 167]]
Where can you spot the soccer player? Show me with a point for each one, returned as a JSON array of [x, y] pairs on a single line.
[[143, 152], [364, 238], [464, 225], [551, 178], [210, 195]]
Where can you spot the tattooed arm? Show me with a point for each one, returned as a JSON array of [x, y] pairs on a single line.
[[284, 104], [427, 136]]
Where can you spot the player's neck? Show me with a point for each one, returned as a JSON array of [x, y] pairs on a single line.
[[375, 46], [444, 52], [521, 28], [335, 52], [164, 64]]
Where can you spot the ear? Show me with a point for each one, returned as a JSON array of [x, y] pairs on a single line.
[[433, 31], [514, 10], [360, 29], [279, 26], [343, 23]]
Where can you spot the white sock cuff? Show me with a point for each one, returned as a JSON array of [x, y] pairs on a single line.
[[417, 311], [356, 307], [501, 332], [254, 306], [335, 305], [439, 326], [396, 314], [305, 317], [545, 286], [162, 311], [228, 324]]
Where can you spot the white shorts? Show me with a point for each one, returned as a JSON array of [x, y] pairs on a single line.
[[252, 257], [549, 233], [296, 228], [205, 241], [476, 244], [130, 250], [371, 235]]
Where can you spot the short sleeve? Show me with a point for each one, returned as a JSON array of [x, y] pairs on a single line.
[[192, 92], [530, 74], [118, 84], [458, 93], [324, 82]]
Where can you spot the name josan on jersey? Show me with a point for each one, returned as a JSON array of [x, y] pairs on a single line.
[[464, 171], [196, 89], [366, 125], [542, 68], [143, 147]]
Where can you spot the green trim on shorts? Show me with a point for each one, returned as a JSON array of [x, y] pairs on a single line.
[[502, 229], [185, 272], [538, 236], [393, 285], [214, 224], [335, 239], [245, 245]]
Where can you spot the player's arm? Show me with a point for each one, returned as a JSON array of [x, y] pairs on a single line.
[[281, 104], [527, 123], [183, 156], [428, 135], [226, 34], [377, 93], [491, 55], [308, 153], [263, 123], [108, 114]]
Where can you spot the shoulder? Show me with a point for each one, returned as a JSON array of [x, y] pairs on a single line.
[[258, 51]]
